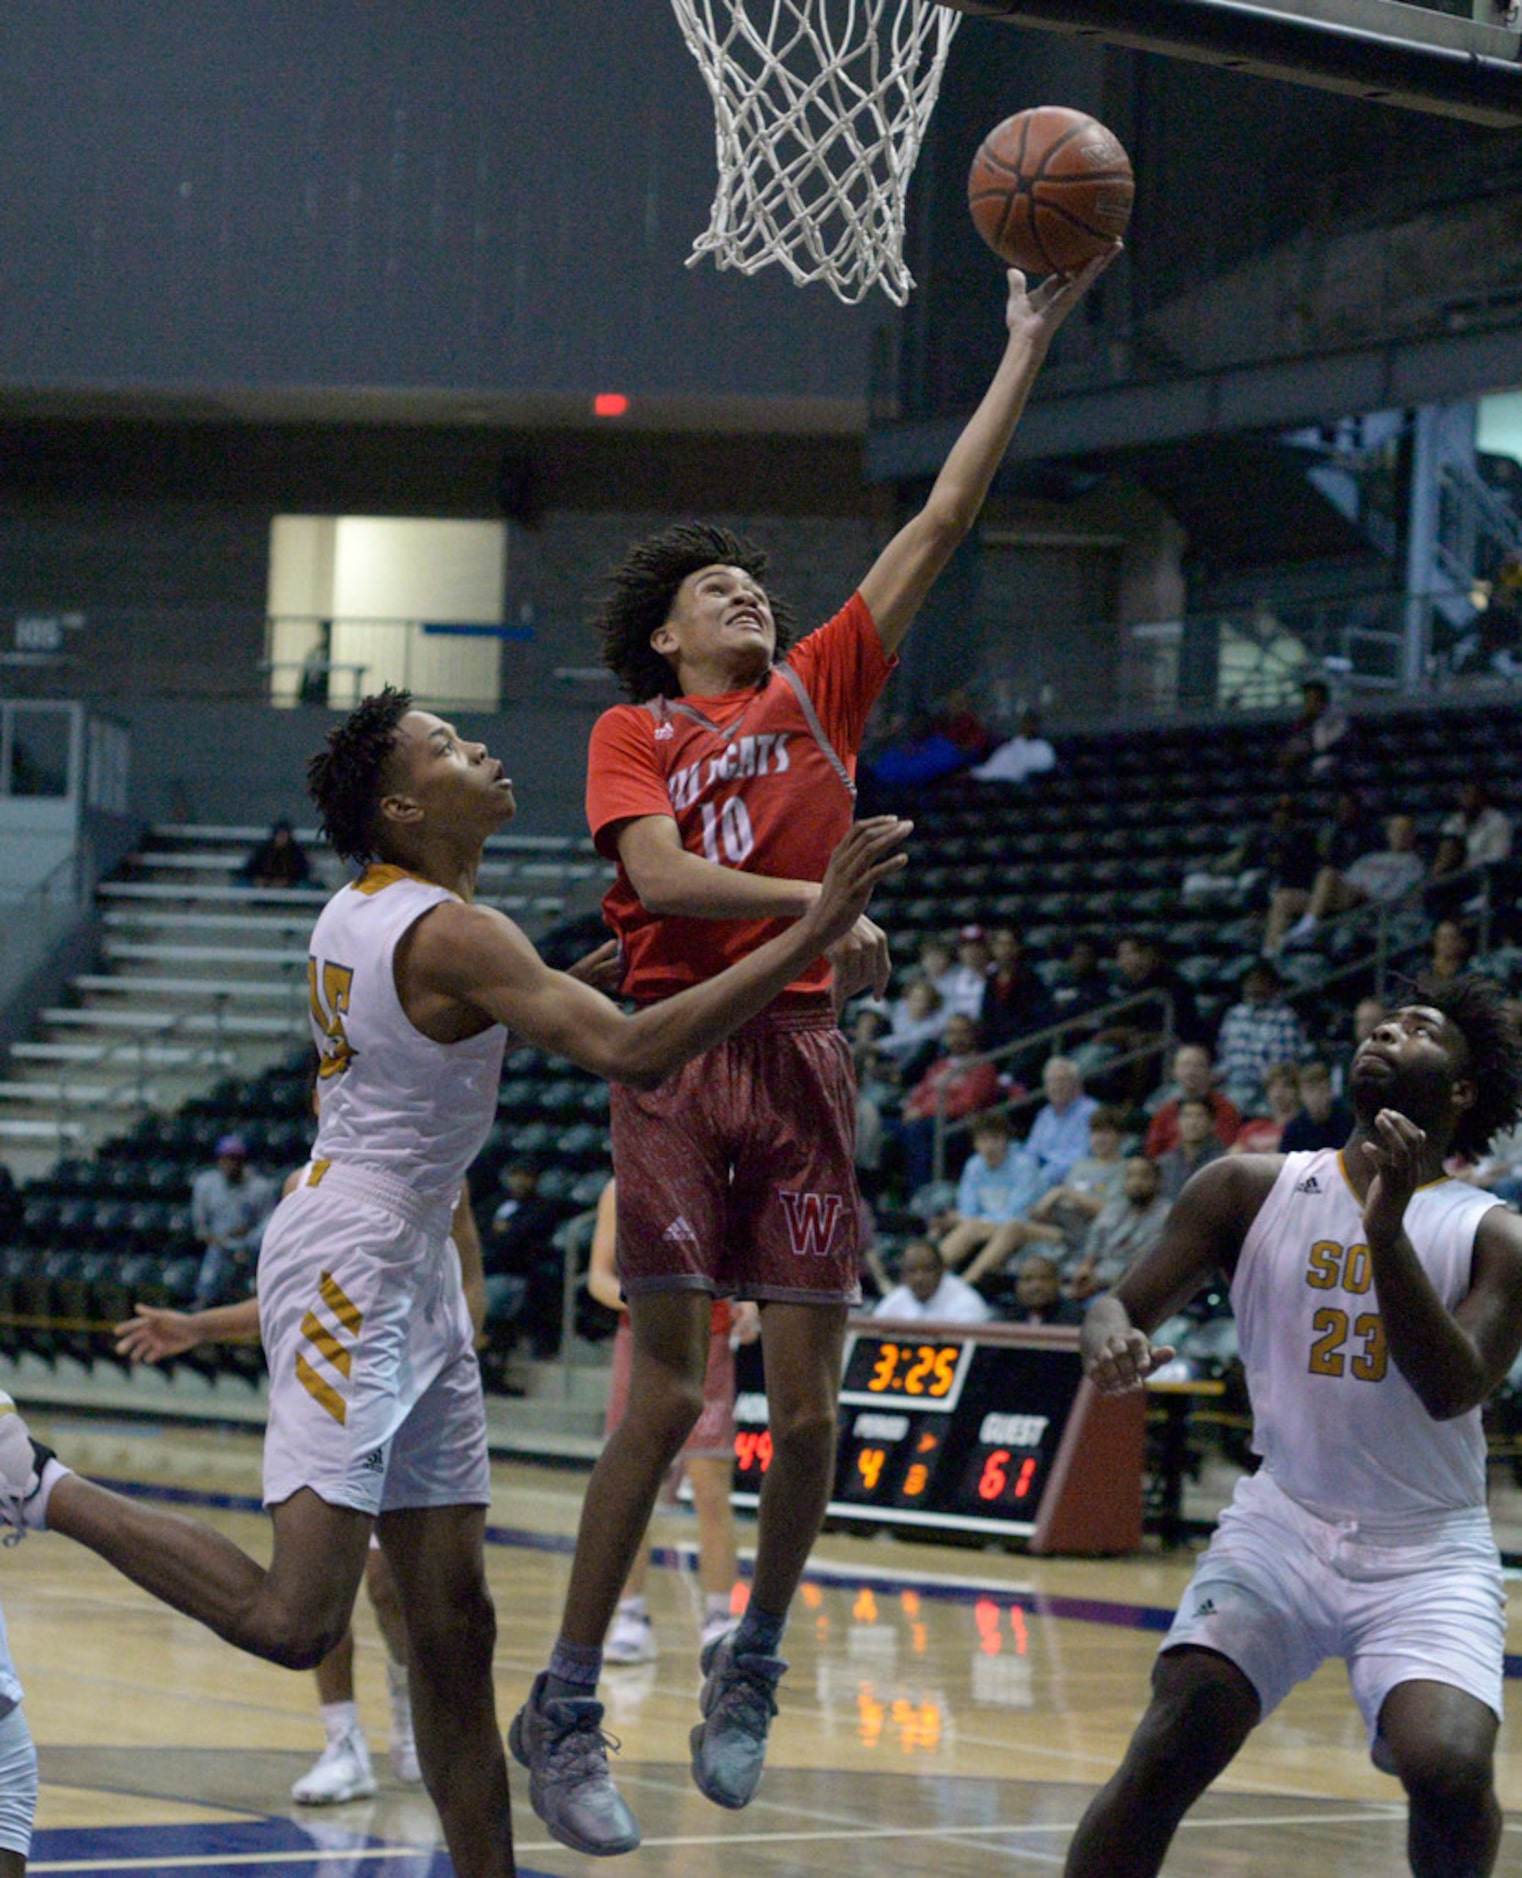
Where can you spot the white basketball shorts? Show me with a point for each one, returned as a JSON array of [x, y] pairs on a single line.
[[375, 1396], [1279, 1590]]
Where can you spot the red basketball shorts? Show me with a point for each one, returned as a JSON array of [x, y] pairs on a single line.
[[737, 1176]]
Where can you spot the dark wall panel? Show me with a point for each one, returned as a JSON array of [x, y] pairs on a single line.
[[473, 195]]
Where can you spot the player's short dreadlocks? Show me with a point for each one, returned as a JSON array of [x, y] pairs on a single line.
[[1476, 1007], [643, 586], [347, 779]]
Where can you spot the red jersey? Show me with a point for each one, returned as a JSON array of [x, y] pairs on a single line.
[[762, 780]]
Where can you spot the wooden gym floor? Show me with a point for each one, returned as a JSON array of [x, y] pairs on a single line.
[[947, 1711]]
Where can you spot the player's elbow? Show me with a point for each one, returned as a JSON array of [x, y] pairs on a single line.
[[945, 520]]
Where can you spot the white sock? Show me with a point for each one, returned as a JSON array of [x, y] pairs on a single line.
[[634, 1607], [716, 1604], [339, 1719], [398, 1681], [53, 1470]]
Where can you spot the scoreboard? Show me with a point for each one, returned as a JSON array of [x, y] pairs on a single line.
[[977, 1429]]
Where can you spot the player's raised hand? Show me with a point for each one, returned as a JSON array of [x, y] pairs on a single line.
[[603, 969], [1047, 305], [868, 854], [1395, 1147], [153, 1334]]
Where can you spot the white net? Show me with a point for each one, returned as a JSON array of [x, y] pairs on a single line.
[[819, 109]]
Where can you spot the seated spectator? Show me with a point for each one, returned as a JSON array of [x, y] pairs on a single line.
[[1382, 878], [1060, 1132], [1297, 854], [1026, 754], [1323, 1119], [957, 1084], [278, 860], [956, 717], [524, 1277], [938, 963], [1317, 738], [1264, 1134], [1193, 1075], [1451, 953], [1127, 1227], [919, 753], [1368, 1014], [1015, 1001], [1475, 835], [1038, 1294], [229, 1208], [963, 987], [1090, 1182], [1083, 986], [1142, 967], [929, 1293], [1198, 1145], [1000, 1184], [1258, 1032], [917, 1022]]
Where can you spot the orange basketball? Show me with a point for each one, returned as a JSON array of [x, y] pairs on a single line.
[[1049, 189]]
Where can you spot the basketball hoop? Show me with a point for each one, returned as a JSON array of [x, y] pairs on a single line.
[[819, 110]]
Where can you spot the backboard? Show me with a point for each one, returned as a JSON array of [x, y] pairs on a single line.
[[1417, 57]]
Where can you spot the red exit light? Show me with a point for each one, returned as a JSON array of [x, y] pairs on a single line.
[[610, 404]]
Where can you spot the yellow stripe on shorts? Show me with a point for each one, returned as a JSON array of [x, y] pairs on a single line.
[[340, 1304], [322, 1339], [322, 1393]]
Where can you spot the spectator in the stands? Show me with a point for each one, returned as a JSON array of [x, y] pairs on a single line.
[[1296, 853], [1452, 950], [1083, 984], [1026, 754], [1124, 1229], [917, 1022], [1317, 738], [278, 861], [1038, 1294], [1193, 1075], [938, 963], [1015, 1001], [1475, 835], [1264, 1133], [1000, 1183], [1142, 966], [964, 985], [957, 1084], [1382, 877], [1499, 1169], [928, 1293], [1259, 1031], [1090, 1182], [1060, 1133], [1323, 1119], [229, 1206], [1197, 1146], [525, 1280]]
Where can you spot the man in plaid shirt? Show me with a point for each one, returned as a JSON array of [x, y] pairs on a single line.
[[1257, 1033]]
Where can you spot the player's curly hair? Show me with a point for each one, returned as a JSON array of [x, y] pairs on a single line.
[[347, 779], [642, 587], [1476, 1007]]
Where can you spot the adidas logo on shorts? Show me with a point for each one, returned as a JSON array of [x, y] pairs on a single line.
[[374, 1462], [679, 1232]]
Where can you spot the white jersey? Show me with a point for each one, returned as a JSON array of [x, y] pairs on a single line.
[[389, 1098], [1339, 1428]]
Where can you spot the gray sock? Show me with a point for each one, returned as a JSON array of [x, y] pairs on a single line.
[[573, 1670], [759, 1633]]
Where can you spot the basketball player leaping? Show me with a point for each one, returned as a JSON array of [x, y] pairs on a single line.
[[719, 791], [376, 1417], [1378, 1304]]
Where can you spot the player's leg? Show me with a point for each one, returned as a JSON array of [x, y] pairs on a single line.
[[342, 1771], [18, 1791], [1202, 1709], [436, 1555], [385, 1601], [1441, 1744], [712, 1478]]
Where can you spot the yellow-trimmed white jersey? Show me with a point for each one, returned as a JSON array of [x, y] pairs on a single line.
[[1338, 1426], [390, 1098]]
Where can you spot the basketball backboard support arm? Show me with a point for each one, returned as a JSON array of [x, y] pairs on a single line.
[[1380, 50]]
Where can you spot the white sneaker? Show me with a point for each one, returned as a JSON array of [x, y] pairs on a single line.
[[718, 1625], [631, 1639], [342, 1772], [403, 1743], [21, 1463]]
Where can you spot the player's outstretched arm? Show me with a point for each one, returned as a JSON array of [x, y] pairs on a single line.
[[474, 956], [152, 1334], [1453, 1360], [908, 567], [1203, 1235]]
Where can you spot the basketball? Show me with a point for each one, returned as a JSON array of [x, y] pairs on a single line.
[[1049, 189]]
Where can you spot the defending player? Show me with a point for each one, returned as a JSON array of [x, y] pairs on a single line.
[[376, 1417], [1378, 1304], [719, 791]]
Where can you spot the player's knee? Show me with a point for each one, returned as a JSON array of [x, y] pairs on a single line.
[[1447, 1778], [804, 1426], [299, 1640], [456, 1625]]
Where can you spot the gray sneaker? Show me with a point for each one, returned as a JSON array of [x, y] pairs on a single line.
[[738, 1703], [559, 1739]]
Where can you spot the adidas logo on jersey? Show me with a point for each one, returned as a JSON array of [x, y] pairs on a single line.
[[664, 732], [679, 1232], [1309, 1185]]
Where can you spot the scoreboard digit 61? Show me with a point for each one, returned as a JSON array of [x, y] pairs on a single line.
[[987, 1429]]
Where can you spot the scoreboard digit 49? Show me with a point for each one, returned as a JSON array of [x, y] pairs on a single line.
[[977, 1430]]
